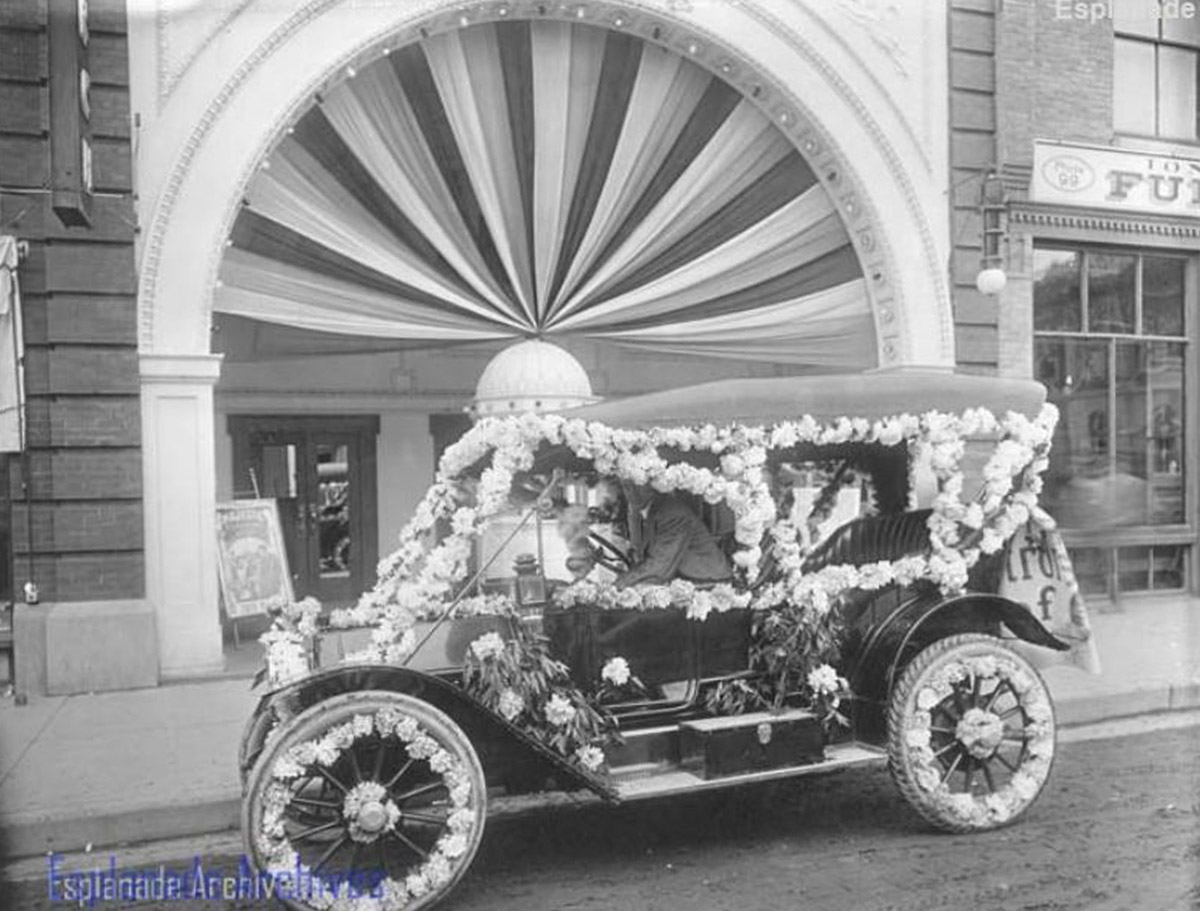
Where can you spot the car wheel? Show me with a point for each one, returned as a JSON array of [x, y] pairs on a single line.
[[970, 733], [376, 799]]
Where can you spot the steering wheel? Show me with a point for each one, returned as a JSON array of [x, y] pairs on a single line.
[[609, 550]]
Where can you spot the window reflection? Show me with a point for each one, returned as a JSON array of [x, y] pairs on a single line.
[[333, 509], [1057, 304], [1111, 301], [1118, 456], [1162, 295]]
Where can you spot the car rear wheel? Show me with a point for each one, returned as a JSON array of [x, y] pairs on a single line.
[[970, 733], [370, 799]]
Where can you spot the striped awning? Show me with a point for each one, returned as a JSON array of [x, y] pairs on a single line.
[[548, 178]]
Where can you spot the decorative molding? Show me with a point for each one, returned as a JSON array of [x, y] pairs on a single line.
[[306, 401], [897, 170], [870, 16], [180, 368], [829, 162], [169, 74], [164, 211], [1091, 220]]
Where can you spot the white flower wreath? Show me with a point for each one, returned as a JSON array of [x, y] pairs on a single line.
[[976, 731], [415, 580], [279, 855]]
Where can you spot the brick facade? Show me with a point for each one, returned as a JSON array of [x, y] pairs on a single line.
[[1017, 72], [77, 523]]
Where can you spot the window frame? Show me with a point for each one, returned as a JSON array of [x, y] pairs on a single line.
[[1118, 538], [1159, 41]]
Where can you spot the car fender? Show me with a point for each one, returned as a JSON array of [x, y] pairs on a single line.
[[923, 619], [506, 751]]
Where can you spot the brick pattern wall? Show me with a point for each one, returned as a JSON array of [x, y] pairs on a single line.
[[77, 507], [972, 151], [1019, 71]]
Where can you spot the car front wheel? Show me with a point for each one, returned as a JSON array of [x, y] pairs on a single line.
[[970, 733], [370, 800]]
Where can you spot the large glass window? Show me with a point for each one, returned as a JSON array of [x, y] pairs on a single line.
[[1110, 345], [1156, 65]]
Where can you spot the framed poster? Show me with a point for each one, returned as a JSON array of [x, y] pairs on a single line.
[[251, 558]]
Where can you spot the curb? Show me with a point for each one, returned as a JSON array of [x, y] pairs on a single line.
[[1150, 700], [33, 834]]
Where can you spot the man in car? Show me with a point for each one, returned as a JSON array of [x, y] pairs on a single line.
[[669, 541]]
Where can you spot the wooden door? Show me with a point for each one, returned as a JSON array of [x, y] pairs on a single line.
[[321, 472]]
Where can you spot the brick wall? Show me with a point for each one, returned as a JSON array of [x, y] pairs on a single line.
[[973, 79], [1018, 72], [77, 508]]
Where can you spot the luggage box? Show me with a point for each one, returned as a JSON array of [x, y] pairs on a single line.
[[713, 747]]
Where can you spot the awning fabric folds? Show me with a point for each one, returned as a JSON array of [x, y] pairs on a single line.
[[548, 178]]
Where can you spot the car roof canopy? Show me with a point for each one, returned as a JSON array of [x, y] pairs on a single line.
[[825, 397]]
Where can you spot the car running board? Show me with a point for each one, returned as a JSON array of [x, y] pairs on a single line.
[[643, 781], [651, 780]]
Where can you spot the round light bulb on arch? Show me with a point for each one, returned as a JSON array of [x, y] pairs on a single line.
[[991, 280]]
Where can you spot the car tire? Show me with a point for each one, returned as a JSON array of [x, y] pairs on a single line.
[[378, 788], [971, 733]]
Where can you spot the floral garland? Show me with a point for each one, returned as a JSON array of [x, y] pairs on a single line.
[[698, 602], [518, 679], [975, 731], [416, 580], [288, 643], [436, 871]]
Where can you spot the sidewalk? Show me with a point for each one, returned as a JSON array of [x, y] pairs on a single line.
[[132, 766]]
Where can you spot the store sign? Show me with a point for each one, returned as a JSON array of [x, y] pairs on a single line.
[[1115, 179]]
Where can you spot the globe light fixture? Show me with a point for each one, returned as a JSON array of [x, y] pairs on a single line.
[[993, 206], [991, 280]]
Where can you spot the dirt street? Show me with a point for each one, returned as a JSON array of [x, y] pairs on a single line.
[[1117, 829]]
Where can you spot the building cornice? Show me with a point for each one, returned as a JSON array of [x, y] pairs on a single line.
[[1050, 216]]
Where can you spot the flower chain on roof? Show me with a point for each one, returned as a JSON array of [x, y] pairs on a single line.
[[416, 581]]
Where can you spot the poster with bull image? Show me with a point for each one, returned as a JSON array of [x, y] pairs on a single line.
[[251, 558]]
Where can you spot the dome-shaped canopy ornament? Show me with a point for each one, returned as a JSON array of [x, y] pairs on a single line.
[[532, 376]]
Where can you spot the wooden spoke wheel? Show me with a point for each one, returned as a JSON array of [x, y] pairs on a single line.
[[366, 796], [970, 733]]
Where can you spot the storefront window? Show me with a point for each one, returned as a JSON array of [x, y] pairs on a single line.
[[1111, 348]]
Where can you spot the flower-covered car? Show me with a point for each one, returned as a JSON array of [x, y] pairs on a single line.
[[892, 587]]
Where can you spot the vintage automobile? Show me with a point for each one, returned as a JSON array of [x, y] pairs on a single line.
[[894, 587]]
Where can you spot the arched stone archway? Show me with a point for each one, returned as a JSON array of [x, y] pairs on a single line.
[[221, 119]]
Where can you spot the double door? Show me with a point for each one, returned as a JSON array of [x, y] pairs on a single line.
[[321, 473]]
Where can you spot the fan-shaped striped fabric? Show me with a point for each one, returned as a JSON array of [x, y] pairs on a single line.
[[548, 178]]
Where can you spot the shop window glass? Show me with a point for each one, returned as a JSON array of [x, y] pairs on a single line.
[[1166, 426], [1133, 569], [1167, 567], [1092, 569], [1111, 571], [1111, 282], [1162, 295], [1057, 302], [1119, 448]]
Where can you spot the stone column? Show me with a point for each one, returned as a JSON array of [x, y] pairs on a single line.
[[180, 496]]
